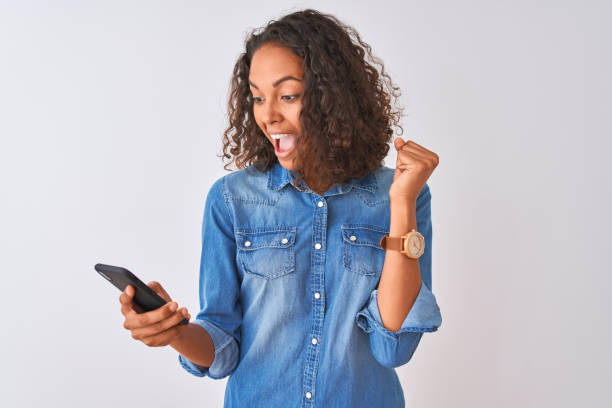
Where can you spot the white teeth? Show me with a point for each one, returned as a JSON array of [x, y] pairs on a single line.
[[279, 135]]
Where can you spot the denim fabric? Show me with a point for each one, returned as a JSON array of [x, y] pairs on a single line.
[[288, 285]]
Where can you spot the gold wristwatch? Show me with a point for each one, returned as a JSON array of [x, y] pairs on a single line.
[[412, 244]]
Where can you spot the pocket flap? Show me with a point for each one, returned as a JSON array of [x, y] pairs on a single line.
[[360, 234], [262, 238]]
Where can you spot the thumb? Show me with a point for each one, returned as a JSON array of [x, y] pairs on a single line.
[[398, 143], [158, 288]]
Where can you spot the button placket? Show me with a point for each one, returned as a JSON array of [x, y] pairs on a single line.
[[319, 232]]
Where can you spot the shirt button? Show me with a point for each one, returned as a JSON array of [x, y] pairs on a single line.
[[285, 240], [318, 246], [317, 295], [352, 238], [314, 341], [320, 203], [308, 395], [247, 244]]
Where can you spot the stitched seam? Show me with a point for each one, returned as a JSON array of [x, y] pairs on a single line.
[[395, 336]]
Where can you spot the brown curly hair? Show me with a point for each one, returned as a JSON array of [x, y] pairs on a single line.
[[346, 114]]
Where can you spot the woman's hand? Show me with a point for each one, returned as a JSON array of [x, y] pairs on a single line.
[[413, 167], [158, 327]]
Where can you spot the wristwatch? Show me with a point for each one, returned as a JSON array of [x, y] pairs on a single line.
[[412, 244]]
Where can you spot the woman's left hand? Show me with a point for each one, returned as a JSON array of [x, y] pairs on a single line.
[[412, 170]]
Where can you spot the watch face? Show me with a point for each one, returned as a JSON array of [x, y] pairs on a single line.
[[416, 245]]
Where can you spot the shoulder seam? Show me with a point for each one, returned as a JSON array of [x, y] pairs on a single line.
[[224, 192]]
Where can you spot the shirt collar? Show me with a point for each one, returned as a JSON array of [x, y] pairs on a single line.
[[279, 177]]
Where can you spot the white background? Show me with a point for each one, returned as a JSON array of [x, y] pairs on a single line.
[[111, 116]]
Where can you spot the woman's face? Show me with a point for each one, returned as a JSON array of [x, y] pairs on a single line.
[[275, 79]]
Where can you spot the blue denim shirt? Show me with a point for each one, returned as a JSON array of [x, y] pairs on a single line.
[[288, 284]]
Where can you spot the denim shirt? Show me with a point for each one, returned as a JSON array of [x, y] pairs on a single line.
[[288, 283]]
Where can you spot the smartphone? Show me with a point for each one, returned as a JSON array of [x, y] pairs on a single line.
[[144, 296]]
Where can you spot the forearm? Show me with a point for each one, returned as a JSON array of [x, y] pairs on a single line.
[[400, 281], [195, 344]]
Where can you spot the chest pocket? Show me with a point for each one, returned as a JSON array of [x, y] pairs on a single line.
[[361, 251], [267, 252]]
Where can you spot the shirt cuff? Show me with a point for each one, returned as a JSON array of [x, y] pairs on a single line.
[[424, 316], [226, 353]]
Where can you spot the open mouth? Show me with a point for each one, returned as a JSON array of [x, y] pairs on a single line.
[[284, 143]]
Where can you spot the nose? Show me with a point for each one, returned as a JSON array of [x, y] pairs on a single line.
[[270, 112]]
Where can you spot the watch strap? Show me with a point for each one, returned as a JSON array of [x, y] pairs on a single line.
[[391, 243]]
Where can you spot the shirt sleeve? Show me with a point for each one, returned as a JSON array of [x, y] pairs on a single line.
[[393, 349], [220, 310]]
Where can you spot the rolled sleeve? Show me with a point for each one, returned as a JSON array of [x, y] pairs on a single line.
[[393, 349], [226, 353], [219, 286]]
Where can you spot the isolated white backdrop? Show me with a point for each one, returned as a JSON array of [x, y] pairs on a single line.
[[111, 114]]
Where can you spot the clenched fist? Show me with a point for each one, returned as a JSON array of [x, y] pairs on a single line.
[[412, 170]]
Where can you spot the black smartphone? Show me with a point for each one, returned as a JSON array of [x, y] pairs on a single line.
[[144, 296]]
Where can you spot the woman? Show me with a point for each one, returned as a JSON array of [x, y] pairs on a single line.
[[299, 302]]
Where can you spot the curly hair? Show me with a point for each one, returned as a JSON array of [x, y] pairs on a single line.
[[346, 115]]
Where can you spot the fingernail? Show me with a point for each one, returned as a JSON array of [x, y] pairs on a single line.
[[173, 307], [185, 313]]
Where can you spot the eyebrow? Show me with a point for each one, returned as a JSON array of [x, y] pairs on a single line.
[[278, 81]]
